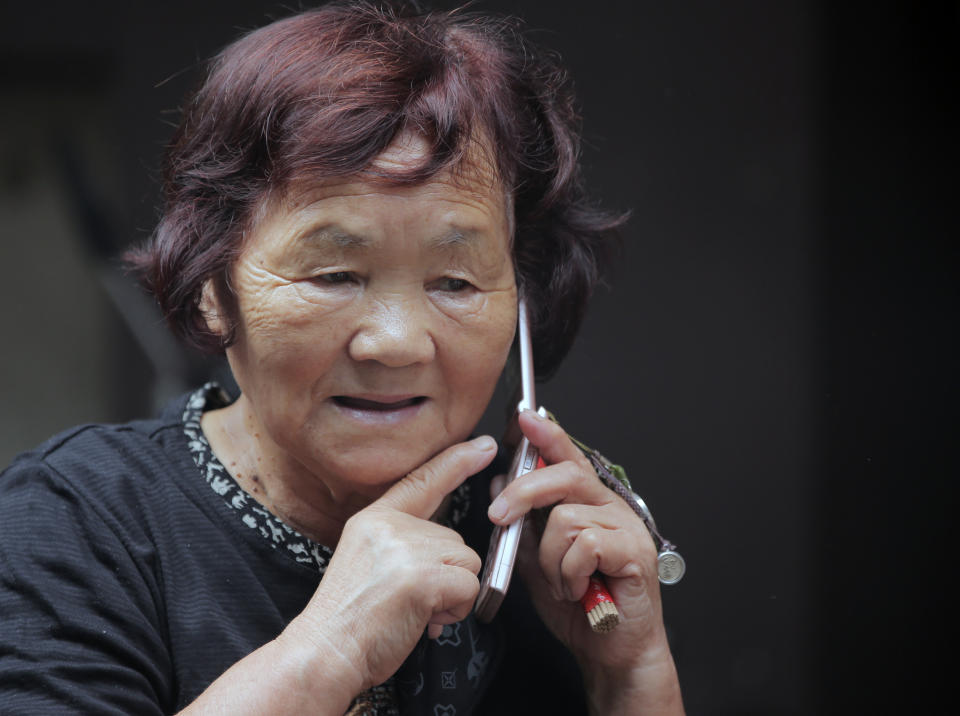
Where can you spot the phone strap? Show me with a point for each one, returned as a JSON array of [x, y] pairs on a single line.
[[670, 565]]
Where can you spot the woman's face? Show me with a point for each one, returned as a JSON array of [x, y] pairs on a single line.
[[374, 321]]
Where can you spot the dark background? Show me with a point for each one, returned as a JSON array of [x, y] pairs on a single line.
[[773, 359]]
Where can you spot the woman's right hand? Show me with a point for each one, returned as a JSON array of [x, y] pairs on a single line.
[[395, 573]]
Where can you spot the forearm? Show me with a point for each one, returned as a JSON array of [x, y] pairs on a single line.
[[289, 675], [648, 688]]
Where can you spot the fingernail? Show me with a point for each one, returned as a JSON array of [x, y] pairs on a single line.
[[485, 443], [535, 415], [498, 509]]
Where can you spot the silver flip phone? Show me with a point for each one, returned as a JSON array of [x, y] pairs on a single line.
[[502, 553]]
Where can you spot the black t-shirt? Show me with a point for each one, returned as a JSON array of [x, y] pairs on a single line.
[[128, 583]]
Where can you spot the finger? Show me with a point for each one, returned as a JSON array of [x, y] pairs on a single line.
[[464, 558], [550, 439], [528, 564], [599, 550], [563, 482], [421, 492], [454, 596], [564, 525], [452, 616], [496, 485]]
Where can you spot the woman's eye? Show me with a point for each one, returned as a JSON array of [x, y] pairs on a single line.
[[336, 277], [453, 285]]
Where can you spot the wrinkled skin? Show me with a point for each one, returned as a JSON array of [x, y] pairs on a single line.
[[361, 290], [374, 321], [590, 529]]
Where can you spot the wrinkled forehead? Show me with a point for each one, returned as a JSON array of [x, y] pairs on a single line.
[[475, 174]]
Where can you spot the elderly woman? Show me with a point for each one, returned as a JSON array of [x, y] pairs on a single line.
[[354, 200]]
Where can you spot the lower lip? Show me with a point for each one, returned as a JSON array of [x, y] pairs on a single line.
[[391, 416]]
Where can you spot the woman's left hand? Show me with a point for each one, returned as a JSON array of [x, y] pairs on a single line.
[[590, 529]]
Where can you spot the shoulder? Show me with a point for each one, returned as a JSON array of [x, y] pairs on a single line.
[[96, 448], [96, 470], [79, 582]]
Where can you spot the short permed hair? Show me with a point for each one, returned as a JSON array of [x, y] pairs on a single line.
[[321, 94]]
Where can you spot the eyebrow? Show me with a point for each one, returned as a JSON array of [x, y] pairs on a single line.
[[455, 238], [335, 236]]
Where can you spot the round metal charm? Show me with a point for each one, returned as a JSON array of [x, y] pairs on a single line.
[[670, 567]]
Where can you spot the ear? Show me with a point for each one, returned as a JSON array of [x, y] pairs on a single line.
[[211, 310]]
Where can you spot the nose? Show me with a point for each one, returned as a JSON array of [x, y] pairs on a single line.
[[394, 332]]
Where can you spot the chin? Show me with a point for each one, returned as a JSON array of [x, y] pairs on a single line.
[[367, 464], [372, 471]]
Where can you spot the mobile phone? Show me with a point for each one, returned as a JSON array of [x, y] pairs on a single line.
[[502, 552]]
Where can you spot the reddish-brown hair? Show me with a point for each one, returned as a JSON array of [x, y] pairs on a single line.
[[323, 93]]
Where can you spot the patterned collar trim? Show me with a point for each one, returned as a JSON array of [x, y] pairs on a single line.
[[442, 676], [277, 533]]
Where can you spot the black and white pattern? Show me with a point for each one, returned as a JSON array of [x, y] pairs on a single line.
[[250, 512], [455, 664]]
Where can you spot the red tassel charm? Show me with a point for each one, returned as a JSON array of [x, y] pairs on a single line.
[[597, 603], [599, 606]]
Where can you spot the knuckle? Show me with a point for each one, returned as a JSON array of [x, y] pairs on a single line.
[[377, 532], [564, 514], [360, 522], [568, 474], [579, 472], [591, 541]]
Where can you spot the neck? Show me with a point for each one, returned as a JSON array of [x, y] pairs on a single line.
[[315, 505]]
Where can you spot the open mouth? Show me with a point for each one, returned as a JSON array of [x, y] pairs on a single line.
[[347, 401]]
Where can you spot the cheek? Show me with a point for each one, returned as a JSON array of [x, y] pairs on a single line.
[[477, 354], [281, 344], [280, 315], [272, 307]]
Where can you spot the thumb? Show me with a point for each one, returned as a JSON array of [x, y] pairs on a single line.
[[421, 492]]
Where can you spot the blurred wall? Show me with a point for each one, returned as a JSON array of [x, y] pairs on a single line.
[[725, 365], [55, 323], [887, 255]]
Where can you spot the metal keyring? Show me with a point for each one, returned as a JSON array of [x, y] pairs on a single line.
[[647, 515], [670, 565]]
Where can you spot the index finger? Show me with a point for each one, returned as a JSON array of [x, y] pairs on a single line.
[[567, 476], [550, 439], [421, 492]]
